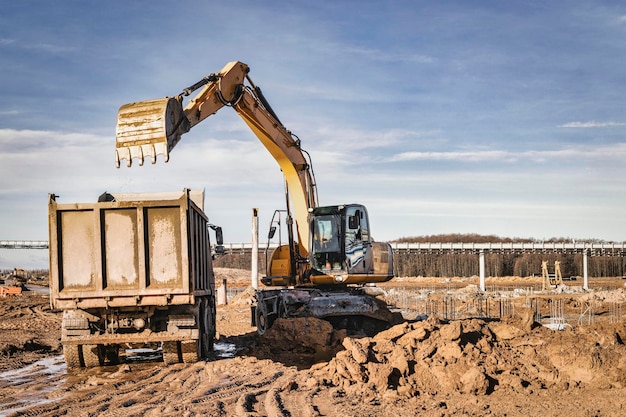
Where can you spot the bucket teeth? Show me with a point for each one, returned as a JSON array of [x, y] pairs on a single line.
[[141, 152]]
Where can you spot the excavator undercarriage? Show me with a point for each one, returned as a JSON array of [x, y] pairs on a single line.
[[350, 308]]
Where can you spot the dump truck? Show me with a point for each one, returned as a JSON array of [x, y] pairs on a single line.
[[133, 270]]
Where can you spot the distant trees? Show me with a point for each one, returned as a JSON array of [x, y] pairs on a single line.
[[496, 265]]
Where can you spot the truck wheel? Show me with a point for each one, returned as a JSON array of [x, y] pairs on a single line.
[[189, 349], [205, 334], [92, 356], [211, 314], [71, 355], [263, 320], [171, 352]]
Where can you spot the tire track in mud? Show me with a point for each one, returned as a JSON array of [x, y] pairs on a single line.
[[239, 386], [302, 403]]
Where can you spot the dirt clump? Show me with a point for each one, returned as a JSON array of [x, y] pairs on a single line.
[[477, 357], [298, 342]]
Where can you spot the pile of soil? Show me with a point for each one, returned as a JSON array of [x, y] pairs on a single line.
[[477, 357]]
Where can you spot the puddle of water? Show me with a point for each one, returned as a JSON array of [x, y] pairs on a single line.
[[224, 350], [37, 289], [143, 354], [52, 366], [35, 382]]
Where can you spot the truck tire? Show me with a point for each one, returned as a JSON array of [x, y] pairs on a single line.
[[189, 349], [171, 353], [205, 331], [92, 356], [211, 314], [71, 355], [263, 320]]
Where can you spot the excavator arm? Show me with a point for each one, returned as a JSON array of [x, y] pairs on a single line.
[[154, 127], [333, 243]]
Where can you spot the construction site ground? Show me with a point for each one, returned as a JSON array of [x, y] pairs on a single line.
[[514, 350]]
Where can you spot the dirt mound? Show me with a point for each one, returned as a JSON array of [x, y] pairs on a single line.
[[298, 342], [234, 277], [610, 296], [244, 298], [476, 357]]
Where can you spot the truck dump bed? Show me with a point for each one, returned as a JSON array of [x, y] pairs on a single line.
[[136, 251]]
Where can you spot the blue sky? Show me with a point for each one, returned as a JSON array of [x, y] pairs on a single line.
[[489, 117]]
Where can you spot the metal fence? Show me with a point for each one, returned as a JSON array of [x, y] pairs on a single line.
[[546, 310]]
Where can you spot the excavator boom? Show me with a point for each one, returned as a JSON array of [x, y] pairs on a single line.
[[333, 244], [151, 128]]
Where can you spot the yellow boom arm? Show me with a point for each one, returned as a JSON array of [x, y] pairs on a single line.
[[151, 128]]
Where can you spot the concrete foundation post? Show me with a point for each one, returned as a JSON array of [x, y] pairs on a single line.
[[585, 273], [222, 298], [481, 266], [254, 273]]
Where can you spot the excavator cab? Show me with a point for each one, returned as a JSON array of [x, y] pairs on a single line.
[[341, 247]]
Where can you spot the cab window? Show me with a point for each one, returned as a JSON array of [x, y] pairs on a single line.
[[325, 234]]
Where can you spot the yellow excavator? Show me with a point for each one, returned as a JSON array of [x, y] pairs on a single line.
[[324, 272]]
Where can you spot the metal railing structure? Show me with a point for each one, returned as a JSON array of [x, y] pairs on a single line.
[[23, 244], [480, 249], [594, 249]]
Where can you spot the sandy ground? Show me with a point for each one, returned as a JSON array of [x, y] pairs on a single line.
[[470, 366]]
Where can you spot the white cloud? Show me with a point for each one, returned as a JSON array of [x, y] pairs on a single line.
[[350, 139], [14, 141], [591, 124], [450, 156], [386, 56], [614, 151], [51, 48]]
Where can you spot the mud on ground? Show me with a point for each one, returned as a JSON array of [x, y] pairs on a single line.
[[474, 366]]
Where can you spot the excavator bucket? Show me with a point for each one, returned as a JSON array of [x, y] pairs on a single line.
[[149, 128]]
